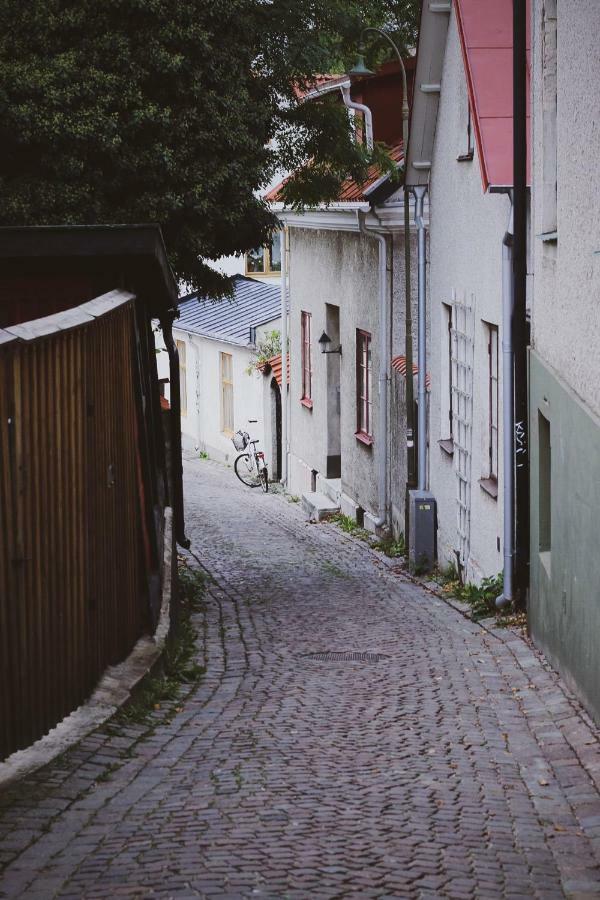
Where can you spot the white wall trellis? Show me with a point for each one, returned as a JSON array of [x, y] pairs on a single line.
[[463, 353]]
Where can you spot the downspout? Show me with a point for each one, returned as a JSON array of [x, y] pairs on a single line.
[[520, 327], [408, 345], [364, 110], [166, 323], [384, 373], [419, 192], [284, 356], [508, 417]]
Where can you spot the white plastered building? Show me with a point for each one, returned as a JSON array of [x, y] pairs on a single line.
[[461, 151], [221, 389]]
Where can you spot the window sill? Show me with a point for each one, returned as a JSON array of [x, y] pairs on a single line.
[[549, 237], [447, 445], [490, 486], [307, 402], [272, 273], [364, 438], [465, 157]]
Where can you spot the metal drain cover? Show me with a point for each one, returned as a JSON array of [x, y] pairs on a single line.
[[346, 656]]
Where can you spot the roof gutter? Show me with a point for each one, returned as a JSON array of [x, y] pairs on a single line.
[[508, 418], [326, 89], [337, 206]]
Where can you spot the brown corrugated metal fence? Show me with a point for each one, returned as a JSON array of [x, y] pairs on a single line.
[[74, 545]]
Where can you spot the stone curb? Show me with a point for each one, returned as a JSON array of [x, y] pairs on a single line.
[[113, 691]]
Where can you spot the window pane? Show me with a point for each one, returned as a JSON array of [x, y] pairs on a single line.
[[226, 392], [363, 382], [255, 260], [275, 252], [306, 355]]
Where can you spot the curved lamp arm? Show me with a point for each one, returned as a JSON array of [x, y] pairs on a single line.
[[404, 90]]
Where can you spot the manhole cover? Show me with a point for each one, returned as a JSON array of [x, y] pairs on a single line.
[[346, 656]]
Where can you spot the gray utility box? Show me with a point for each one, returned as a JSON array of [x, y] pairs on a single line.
[[422, 539]]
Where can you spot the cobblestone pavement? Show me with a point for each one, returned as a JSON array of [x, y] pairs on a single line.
[[456, 765]]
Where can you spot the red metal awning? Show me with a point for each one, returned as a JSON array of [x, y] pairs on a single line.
[[399, 365], [485, 29], [273, 367]]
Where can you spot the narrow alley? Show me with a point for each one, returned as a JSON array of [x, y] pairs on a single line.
[[353, 735]]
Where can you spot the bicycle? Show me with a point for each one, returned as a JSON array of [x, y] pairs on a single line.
[[250, 466]]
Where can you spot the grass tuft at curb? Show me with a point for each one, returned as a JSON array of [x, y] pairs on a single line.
[[176, 671], [392, 547]]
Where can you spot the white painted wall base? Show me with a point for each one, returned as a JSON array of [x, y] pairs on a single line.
[[348, 507], [299, 475]]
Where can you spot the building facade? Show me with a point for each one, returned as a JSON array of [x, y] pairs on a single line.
[[336, 398], [461, 154], [467, 228], [221, 388], [347, 436], [564, 362]]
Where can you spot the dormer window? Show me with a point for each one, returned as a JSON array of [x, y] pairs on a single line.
[[265, 260]]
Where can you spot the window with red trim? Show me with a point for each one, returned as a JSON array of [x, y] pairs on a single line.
[[364, 386], [305, 324]]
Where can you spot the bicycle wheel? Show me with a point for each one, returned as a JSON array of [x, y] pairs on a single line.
[[245, 471], [264, 479]]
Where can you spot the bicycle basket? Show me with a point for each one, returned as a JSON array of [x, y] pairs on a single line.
[[240, 440]]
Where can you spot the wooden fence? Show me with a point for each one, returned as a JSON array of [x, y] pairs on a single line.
[[78, 550]]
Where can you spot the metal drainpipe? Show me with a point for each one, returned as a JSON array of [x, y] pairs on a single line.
[[419, 193], [284, 355], [365, 111], [384, 374], [166, 323], [508, 417], [520, 327]]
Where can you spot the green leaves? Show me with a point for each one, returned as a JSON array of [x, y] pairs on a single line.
[[154, 110]]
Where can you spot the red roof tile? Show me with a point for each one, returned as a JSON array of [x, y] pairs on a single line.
[[399, 365], [485, 28], [273, 366], [350, 191]]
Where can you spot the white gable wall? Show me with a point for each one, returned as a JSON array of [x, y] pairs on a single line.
[[465, 253], [340, 268], [201, 428]]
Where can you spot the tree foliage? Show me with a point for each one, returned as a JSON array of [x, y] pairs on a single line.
[[175, 111], [266, 348]]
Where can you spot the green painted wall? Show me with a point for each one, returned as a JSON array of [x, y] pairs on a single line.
[[564, 607]]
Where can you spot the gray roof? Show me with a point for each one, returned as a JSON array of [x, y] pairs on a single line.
[[231, 320]]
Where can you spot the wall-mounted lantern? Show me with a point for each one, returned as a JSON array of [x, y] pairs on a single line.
[[325, 344]]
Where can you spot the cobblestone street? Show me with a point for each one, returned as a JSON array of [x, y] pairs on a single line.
[[451, 763]]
